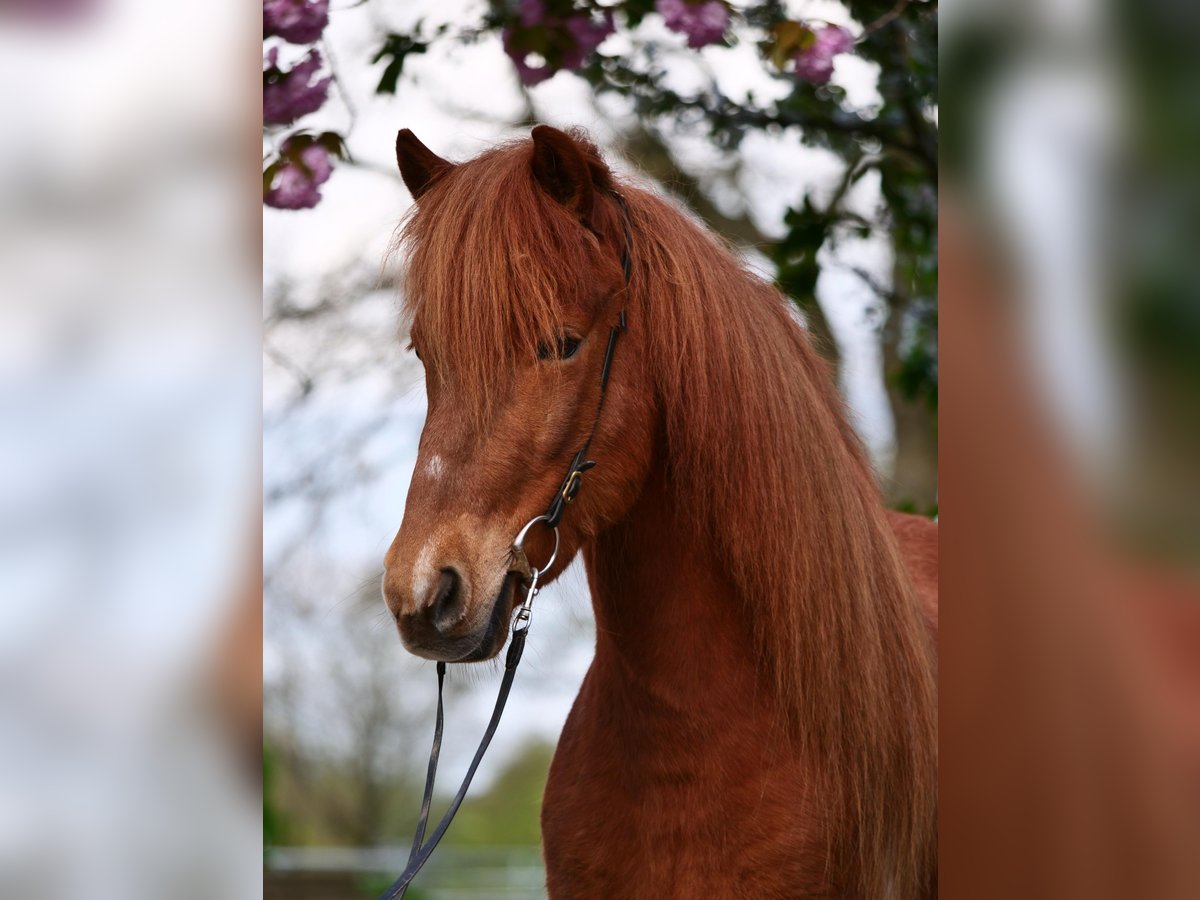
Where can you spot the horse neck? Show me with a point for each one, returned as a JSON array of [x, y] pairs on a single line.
[[666, 612]]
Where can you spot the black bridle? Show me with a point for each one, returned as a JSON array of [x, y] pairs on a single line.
[[569, 488], [567, 492]]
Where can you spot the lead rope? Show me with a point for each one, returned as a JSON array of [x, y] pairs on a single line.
[[421, 852], [567, 492], [434, 753]]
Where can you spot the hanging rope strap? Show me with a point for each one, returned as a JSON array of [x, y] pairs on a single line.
[[421, 851]]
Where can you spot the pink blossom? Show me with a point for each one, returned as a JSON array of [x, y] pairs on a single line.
[[531, 13], [567, 42], [288, 95], [588, 34], [704, 23], [296, 21], [296, 180], [529, 74], [815, 62]]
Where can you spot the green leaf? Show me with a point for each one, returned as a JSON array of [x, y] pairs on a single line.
[[787, 39], [399, 47], [636, 10], [269, 174], [795, 256], [333, 142]]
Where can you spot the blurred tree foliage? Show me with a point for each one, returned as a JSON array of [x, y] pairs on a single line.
[[1150, 268], [509, 812], [896, 141], [273, 829]]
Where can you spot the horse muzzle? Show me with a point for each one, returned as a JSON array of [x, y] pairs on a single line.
[[447, 625]]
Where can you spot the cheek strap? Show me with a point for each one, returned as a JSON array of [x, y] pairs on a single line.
[[573, 480]]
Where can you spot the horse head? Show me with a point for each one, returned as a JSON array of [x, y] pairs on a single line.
[[516, 284]]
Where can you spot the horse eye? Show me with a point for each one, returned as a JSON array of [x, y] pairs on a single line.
[[564, 347]]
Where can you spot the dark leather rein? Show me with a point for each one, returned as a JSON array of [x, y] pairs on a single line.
[[569, 489]]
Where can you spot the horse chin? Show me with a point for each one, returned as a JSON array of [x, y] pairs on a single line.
[[494, 633]]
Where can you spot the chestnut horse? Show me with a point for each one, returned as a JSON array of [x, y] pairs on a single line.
[[759, 720]]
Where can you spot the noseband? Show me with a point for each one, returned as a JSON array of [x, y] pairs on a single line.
[[563, 497]]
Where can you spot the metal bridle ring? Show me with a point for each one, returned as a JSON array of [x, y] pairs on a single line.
[[520, 540]]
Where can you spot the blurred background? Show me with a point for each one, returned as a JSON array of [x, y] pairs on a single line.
[[1070, 487], [129, 436], [803, 133]]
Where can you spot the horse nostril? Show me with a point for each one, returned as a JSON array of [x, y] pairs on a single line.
[[444, 609]]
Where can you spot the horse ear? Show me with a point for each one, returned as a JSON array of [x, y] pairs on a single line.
[[420, 167], [560, 167]]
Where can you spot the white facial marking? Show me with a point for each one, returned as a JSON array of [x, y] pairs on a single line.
[[423, 572], [435, 468]]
